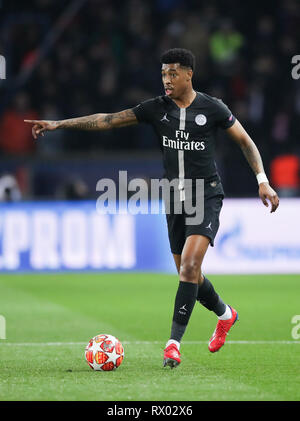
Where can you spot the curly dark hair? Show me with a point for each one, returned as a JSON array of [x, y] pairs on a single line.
[[179, 55]]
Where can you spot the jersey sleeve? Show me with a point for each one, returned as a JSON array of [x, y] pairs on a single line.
[[224, 117], [144, 111]]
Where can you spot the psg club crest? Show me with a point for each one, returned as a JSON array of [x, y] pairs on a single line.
[[200, 119]]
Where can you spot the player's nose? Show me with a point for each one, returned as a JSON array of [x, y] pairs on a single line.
[[167, 85], [167, 80]]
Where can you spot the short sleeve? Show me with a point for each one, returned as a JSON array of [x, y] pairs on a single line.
[[224, 117], [144, 111]]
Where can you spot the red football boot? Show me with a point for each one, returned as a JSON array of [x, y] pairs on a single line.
[[219, 336], [171, 356]]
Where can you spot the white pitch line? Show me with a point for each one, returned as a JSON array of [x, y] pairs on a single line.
[[149, 343]]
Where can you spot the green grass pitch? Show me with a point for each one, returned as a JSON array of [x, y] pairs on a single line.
[[51, 317]]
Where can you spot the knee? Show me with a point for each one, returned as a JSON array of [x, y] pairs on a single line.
[[190, 271]]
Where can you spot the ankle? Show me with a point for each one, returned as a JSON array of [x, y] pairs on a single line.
[[172, 341]]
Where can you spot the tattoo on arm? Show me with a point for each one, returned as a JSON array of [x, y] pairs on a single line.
[[253, 157], [85, 123], [248, 147], [100, 121]]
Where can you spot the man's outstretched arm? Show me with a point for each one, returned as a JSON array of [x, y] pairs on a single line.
[[251, 153], [90, 122]]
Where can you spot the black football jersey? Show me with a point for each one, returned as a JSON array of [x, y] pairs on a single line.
[[186, 135]]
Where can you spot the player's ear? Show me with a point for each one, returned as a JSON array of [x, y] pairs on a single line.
[[189, 74]]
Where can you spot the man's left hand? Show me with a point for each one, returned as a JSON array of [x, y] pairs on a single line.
[[266, 193]]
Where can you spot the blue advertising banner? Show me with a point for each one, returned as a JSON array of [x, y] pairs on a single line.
[[72, 236]]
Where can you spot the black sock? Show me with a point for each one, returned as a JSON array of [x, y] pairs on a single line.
[[208, 297], [184, 303]]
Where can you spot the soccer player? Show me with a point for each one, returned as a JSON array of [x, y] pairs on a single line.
[[186, 122]]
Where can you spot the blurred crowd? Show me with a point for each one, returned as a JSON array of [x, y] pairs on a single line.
[[106, 58]]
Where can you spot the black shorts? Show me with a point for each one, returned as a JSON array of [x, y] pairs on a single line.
[[178, 230]]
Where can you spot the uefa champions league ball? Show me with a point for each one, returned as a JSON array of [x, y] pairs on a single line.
[[104, 353]]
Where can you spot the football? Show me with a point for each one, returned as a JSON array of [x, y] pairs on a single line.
[[104, 353]]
